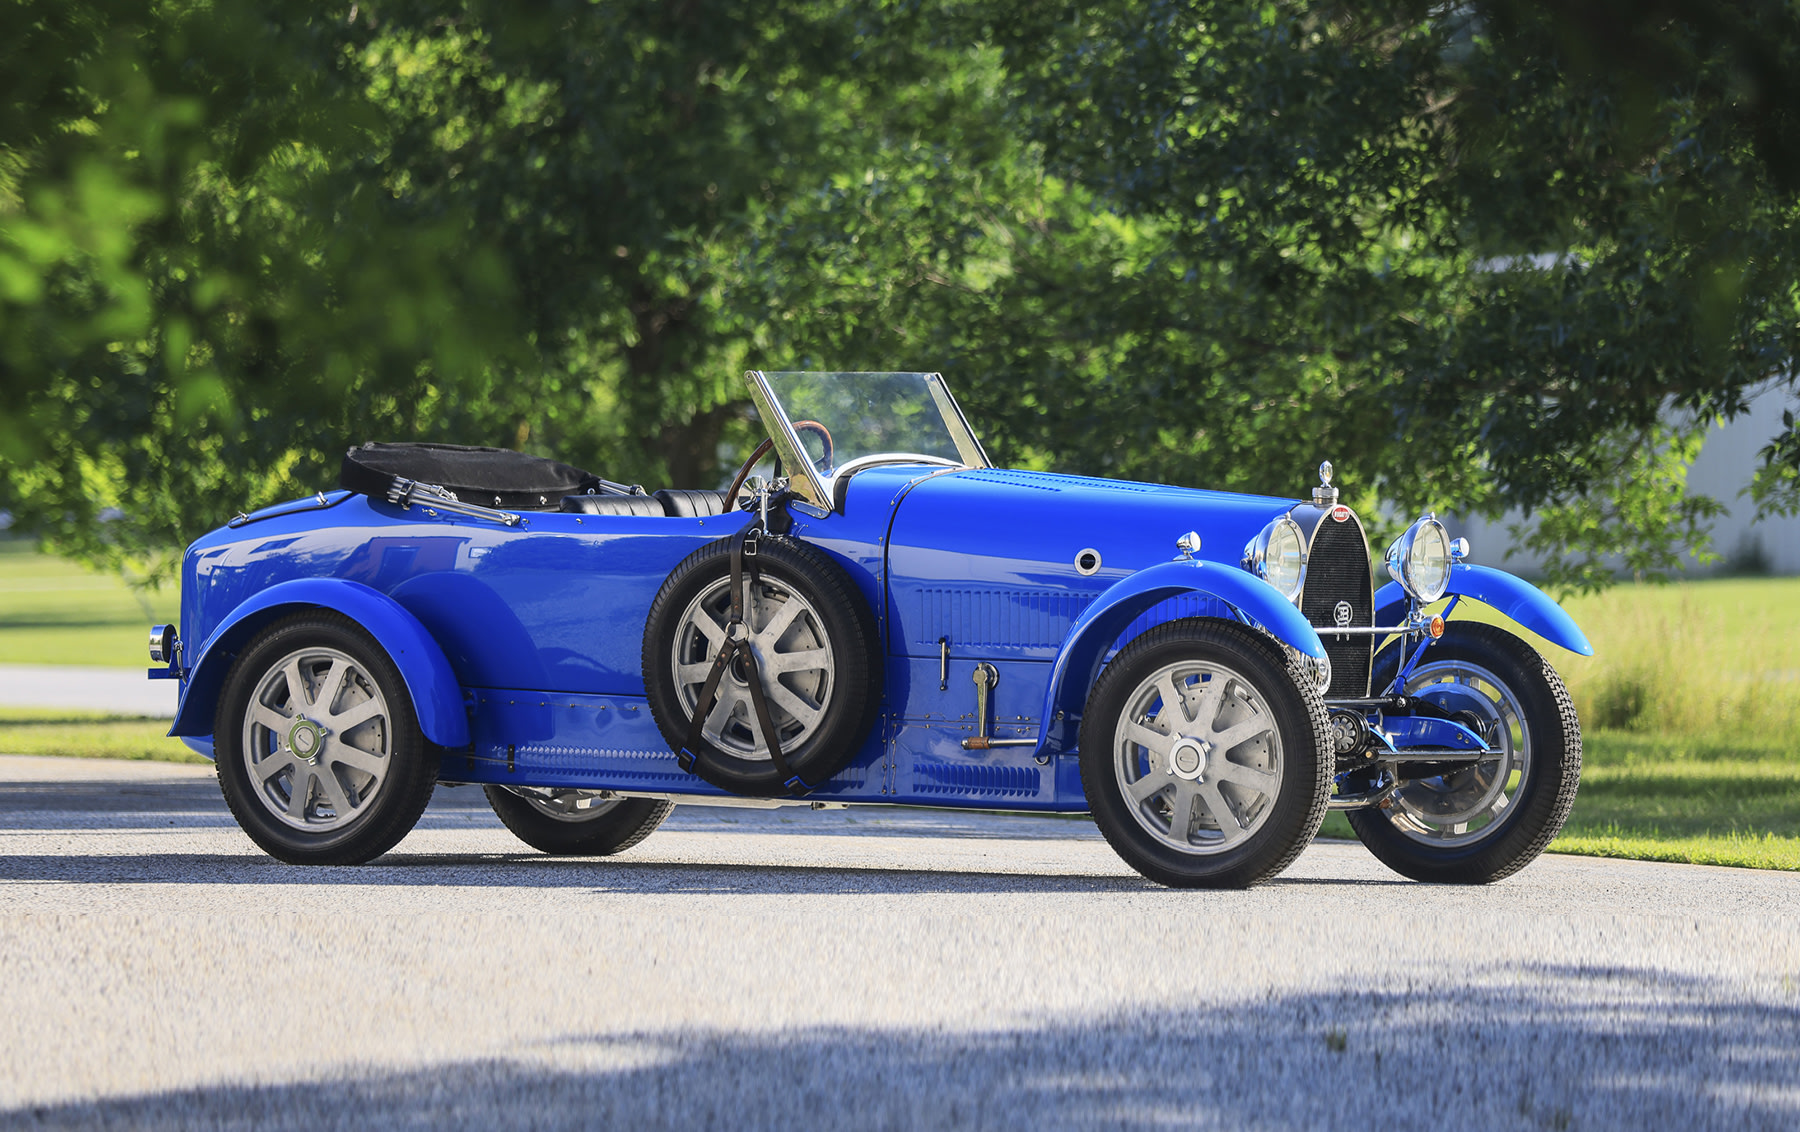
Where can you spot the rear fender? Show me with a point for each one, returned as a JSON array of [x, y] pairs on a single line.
[[1253, 600], [1518, 599], [436, 695]]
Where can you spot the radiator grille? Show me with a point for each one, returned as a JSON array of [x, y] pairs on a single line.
[[1337, 569]]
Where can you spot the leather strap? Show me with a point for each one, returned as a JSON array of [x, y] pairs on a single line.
[[737, 643]]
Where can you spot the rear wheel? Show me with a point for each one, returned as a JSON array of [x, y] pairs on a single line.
[[1204, 758], [1484, 822], [574, 823], [318, 751]]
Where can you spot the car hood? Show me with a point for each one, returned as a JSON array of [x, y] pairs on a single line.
[[999, 555]]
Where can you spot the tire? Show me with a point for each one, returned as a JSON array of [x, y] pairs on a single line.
[[805, 617], [315, 719], [556, 823], [1508, 808], [1263, 795]]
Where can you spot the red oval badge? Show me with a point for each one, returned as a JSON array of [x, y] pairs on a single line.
[[1340, 513]]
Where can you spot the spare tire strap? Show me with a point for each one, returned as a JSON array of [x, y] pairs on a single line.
[[737, 643]]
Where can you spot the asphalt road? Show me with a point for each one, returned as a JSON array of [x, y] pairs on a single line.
[[881, 969]]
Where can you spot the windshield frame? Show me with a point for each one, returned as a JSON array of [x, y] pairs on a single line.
[[817, 489]]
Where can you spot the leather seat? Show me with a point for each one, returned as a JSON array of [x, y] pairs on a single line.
[[689, 503], [645, 505]]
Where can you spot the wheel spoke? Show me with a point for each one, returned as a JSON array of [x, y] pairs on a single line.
[[1228, 822], [341, 753], [1174, 700], [1148, 738], [723, 710], [272, 719], [355, 715], [696, 673], [712, 630], [299, 697], [1239, 734], [808, 660], [273, 765], [332, 687], [299, 791], [789, 701], [1181, 811], [1249, 777], [334, 792], [778, 624], [1149, 786], [1212, 692]]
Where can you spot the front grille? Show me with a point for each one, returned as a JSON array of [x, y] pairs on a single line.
[[1337, 569]]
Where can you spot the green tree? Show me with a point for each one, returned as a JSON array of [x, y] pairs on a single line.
[[192, 311], [1473, 252], [1472, 255]]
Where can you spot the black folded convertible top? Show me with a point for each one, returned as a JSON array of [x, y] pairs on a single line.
[[491, 477]]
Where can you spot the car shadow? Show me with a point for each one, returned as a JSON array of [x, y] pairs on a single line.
[[533, 870], [53, 806], [1512, 1046]]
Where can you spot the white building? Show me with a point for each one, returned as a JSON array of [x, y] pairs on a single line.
[[1723, 470]]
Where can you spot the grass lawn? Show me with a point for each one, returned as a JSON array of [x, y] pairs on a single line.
[[89, 734], [1700, 801], [55, 612], [1686, 658]]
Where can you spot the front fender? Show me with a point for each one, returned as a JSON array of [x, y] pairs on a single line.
[[1078, 662], [1515, 597], [436, 695]]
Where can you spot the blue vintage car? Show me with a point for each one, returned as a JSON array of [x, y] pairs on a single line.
[[880, 617]]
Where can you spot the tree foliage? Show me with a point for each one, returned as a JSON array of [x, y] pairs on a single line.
[[1473, 255], [1495, 243]]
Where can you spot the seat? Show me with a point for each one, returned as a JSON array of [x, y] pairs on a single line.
[[644, 505], [690, 503]]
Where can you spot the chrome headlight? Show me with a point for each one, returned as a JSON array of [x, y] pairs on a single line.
[[1420, 560], [1277, 555]]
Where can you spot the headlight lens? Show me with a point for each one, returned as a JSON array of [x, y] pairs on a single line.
[[1277, 555], [1420, 560]]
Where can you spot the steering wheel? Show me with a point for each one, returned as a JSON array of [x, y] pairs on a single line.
[[825, 461], [743, 473]]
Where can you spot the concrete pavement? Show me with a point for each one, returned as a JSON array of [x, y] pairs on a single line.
[[128, 691], [887, 968]]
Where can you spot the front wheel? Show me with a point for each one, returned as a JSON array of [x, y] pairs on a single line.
[[1487, 821], [1205, 760], [574, 823]]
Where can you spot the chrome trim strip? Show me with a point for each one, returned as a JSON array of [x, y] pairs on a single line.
[[802, 476], [968, 445]]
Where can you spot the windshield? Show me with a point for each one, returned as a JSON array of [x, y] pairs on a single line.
[[842, 421]]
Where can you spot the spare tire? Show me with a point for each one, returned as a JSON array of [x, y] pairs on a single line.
[[817, 659]]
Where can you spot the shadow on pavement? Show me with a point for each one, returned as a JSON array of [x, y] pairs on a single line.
[[127, 806], [529, 869], [1516, 1048]]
